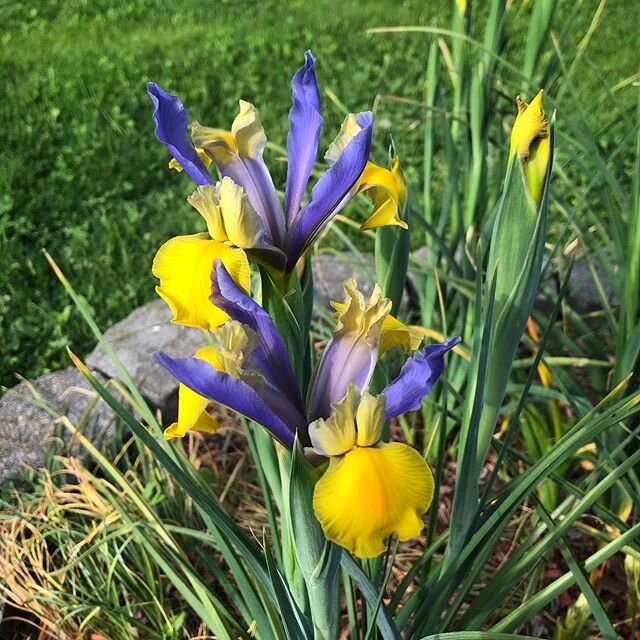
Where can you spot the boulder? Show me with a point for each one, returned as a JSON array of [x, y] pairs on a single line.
[[330, 270], [29, 411], [135, 340], [582, 292]]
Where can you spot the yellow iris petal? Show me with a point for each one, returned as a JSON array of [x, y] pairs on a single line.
[[370, 493], [531, 124], [233, 343], [245, 140], [348, 130], [248, 132], [362, 318], [387, 191], [336, 434], [183, 265], [228, 213], [210, 138], [385, 188], [370, 419], [192, 415], [174, 164], [536, 168], [396, 333]]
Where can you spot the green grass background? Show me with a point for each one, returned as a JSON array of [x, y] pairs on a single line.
[[83, 176]]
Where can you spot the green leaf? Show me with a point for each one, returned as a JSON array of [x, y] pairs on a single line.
[[318, 559], [532, 606], [476, 635], [297, 626], [384, 621], [392, 260], [283, 300]]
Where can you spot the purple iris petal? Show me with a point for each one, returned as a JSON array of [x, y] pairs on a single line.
[[328, 195], [232, 392], [345, 360], [305, 121], [416, 378], [271, 353], [172, 121]]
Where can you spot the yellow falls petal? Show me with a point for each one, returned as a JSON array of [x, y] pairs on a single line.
[[395, 333], [183, 265], [336, 434], [192, 415], [370, 493], [387, 191], [370, 419]]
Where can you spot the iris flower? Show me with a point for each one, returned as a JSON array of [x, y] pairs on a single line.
[[274, 235], [370, 489]]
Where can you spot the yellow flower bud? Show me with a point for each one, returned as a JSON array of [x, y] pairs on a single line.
[[531, 140]]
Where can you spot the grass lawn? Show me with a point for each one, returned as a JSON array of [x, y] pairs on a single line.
[[83, 176]]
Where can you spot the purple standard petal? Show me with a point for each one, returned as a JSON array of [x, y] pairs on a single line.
[[305, 121], [328, 195], [271, 354], [172, 121], [232, 392], [416, 378]]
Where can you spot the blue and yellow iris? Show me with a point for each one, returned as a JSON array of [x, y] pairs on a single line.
[[370, 488]]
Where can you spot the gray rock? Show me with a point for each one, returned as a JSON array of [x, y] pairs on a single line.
[[135, 340], [331, 270], [29, 411], [582, 292]]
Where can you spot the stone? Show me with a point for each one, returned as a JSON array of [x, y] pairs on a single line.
[[330, 270], [29, 411], [582, 293], [135, 340]]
